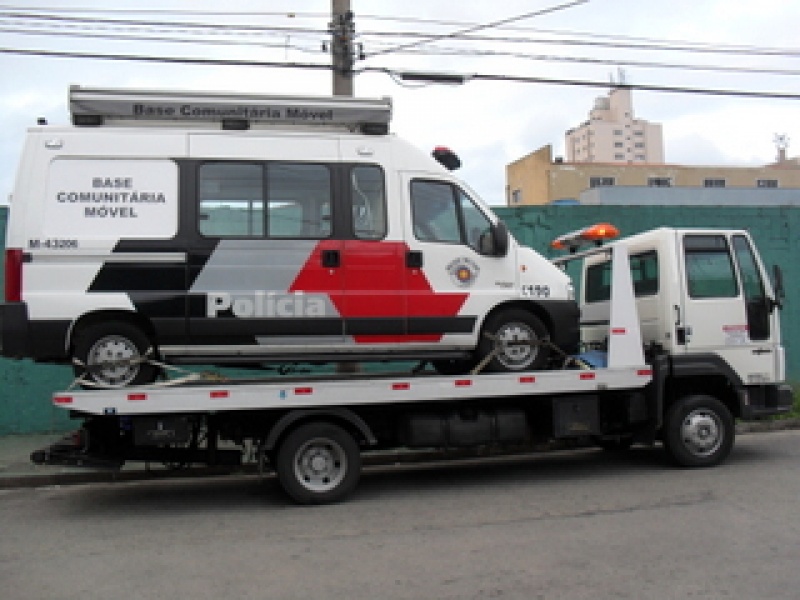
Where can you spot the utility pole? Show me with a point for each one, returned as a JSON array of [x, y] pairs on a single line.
[[342, 32]]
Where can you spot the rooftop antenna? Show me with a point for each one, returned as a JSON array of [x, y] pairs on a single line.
[[781, 141]]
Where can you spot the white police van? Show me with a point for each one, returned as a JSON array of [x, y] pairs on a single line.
[[239, 229]]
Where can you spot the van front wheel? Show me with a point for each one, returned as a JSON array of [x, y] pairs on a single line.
[[113, 354], [514, 339]]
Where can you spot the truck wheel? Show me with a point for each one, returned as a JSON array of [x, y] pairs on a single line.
[[517, 335], [104, 350], [318, 463], [698, 431]]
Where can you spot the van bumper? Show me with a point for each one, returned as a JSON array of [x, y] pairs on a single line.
[[14, 330], [767, 400], [22, 338]]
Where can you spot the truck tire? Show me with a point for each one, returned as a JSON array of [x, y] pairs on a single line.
[[698, 431], [109, 342], [517, 335], [318, 463]]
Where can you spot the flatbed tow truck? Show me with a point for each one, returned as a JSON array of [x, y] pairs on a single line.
[[656, 379]]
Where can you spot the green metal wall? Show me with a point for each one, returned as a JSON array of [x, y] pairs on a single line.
[[25, 388]]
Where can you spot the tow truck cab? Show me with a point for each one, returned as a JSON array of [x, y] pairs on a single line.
[[706, 306]]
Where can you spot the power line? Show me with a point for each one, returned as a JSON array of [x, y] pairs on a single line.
[[611, 40], [167, 59], [146, 23], [491, 25], [449, 78], [396, 73], [692, 47], [163, 39], [604, 61], [126, 35], [165, 11]]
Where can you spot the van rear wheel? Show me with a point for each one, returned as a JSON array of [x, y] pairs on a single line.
[[113, 354]]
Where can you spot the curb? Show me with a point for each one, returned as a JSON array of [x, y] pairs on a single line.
[[392, 457]]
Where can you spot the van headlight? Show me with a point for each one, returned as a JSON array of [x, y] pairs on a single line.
[[570, 292]]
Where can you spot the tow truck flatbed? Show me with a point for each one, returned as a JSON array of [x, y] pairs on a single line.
[[350, 391]]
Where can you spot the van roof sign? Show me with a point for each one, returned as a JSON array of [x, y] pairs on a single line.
[[96, 106]]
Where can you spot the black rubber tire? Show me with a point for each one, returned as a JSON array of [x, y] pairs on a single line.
[[514, 325], [318, 463], [113, 340], [698, 431]]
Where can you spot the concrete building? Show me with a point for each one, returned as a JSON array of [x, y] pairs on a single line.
[[538, 178], [613, 135]]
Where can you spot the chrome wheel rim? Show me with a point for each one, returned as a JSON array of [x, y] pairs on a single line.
[[320, 465], [517, 345], [110, 359], [702, 432]]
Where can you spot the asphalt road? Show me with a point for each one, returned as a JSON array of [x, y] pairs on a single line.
[[561, 526]]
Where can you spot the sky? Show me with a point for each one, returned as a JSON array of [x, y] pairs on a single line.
[[489, 123]]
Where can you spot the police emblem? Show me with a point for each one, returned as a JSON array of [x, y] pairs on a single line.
[[463, 271]]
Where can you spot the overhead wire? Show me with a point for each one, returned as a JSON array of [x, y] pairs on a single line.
[[467, 35], [396, 72], [640, 42], [743, 70], [64, 23], [479, 27]]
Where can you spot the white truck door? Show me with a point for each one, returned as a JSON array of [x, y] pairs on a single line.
[[725, 305]]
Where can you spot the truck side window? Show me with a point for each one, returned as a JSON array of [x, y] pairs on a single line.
[[368, 201], [751, 276], [644, 273], [231, 199], [433, 211], [299, 200], [709, 269], [753, 286]]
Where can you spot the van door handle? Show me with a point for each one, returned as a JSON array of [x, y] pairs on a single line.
[[331, 259], [414, 259]]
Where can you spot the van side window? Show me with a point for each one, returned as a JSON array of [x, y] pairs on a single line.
[[476, 225], [369, 202], [233, 196], [433, 211], [444, 213], [644, 272], [299, 200], [709, 269], [231, 199]]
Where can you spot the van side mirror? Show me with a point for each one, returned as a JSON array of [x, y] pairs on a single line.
[[495, 241]]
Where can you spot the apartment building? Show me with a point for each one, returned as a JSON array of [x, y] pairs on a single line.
[[612, 134]]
